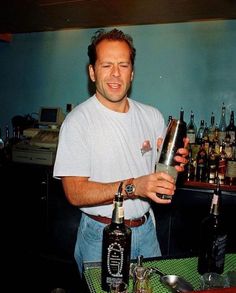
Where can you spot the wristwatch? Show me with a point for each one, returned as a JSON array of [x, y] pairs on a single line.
[[129, 188]]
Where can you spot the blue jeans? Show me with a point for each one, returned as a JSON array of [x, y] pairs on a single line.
[[88, 245]]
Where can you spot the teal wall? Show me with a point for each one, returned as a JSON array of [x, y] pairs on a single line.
[[191, 64]]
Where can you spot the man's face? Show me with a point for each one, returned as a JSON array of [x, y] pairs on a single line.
[[112, 73]]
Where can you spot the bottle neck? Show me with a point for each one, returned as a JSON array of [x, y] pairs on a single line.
[[212, 121], [231, 122], [181, 117], [222, 119], [215, 205], [216, 200], [118, 210]]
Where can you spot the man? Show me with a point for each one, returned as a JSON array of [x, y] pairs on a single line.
[[111, 138]]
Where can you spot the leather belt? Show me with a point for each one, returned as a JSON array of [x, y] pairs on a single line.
[[130, 222]]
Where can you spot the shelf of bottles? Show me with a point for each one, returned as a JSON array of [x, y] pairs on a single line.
[[212, 152]]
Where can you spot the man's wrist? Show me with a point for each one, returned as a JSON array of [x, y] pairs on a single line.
[[129, 188]]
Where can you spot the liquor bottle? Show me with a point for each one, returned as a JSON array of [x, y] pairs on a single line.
[[230, 175], [206, 138], [222, 125], [212, 129], [201, 164], [191, 129], [216, 140], [183, 123], [190, 168], [200, 132], [116, 246], [231, 128], [228, 146], [213, 238], [212, 164], [222, 164], [169, 119]]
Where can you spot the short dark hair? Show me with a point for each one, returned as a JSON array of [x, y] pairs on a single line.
[[114, 35]]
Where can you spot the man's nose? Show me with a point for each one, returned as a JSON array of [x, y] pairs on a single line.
[[116, 70]]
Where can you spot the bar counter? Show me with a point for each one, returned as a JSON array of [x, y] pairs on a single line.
[[205, 185], [185, 267]]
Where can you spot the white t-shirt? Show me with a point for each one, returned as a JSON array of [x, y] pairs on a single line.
[[109, 146]]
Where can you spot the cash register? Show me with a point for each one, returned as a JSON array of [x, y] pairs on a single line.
[[39, 144]]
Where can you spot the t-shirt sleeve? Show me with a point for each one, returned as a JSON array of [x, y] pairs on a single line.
[[72, 157]]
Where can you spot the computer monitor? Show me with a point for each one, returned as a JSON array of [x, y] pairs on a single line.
[[49, 116]]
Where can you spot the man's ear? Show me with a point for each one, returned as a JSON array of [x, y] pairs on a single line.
[[91, 73], [132, 75]]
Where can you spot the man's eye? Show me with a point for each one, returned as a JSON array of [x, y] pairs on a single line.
[[106, 65], [124, 65]]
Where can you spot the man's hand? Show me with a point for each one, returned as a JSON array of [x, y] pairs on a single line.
[[156, 183], [181, 154]]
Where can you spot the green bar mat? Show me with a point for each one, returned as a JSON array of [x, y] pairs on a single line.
[[184, 267]]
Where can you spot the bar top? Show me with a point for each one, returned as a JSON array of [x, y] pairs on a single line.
[[185, 267]]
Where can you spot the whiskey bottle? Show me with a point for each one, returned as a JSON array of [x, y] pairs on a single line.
[[213, 238], [222, 125], [190, 168], [222, 164], [212, 164], [201, 164], [191, 129], [200, 132], [116, 246], [212, 128], [183, 123], [230, 175], [231, 128]]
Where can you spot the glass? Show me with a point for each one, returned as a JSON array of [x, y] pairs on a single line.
[[174, 139], [120, 287], [213, 281]]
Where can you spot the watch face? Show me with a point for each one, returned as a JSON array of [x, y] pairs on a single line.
[[129, 188]]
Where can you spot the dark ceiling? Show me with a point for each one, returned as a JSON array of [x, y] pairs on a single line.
[[22, 16]]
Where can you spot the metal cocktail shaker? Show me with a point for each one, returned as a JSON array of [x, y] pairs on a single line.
[[174, 139]]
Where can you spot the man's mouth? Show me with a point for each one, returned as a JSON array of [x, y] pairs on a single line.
[[114, 85]]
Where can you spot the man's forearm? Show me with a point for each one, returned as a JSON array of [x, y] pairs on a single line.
[[81, 192]]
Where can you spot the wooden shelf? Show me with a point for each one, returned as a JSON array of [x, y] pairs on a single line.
[[205, 185]]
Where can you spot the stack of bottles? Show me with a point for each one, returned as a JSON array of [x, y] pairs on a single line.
[[212, 150]]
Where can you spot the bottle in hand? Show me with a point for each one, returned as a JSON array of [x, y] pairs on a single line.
[[213, 238], [116, 247]]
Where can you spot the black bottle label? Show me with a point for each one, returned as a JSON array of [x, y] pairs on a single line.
[[219, 248], [212, 252], [115, 259]]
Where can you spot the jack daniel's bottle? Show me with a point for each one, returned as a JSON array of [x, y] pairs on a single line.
[[213, 238], [116, 247]]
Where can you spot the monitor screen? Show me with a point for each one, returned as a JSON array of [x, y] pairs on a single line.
[[50, 116]]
